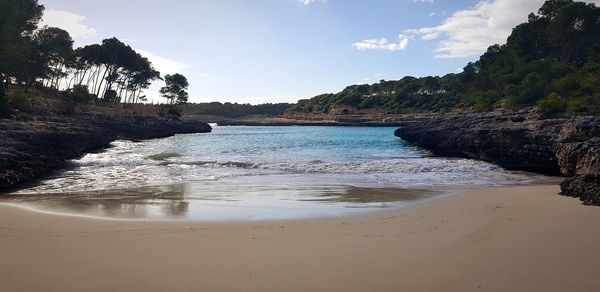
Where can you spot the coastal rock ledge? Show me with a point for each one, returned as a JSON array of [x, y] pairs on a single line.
[[33, 146], [521, 140]]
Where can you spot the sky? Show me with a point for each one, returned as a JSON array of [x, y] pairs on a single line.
[[259, 51]]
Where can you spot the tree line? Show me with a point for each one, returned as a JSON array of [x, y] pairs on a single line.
[[551, 61], [235, 110], [44, 56]]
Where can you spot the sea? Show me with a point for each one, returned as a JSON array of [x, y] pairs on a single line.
[[257, 173]]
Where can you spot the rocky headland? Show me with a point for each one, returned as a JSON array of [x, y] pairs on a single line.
[[31, 146], [521, 140]]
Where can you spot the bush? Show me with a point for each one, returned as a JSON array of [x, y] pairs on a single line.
[[588, 105], [174, 111], [21, 101], [79, 94], [553, 103], [111, 96], [170, 111]]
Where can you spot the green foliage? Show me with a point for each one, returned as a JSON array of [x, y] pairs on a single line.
[[170, 111], [557, 50], [18, 19], [409, 93], [21, 101], [174, 111], [553, 103], [352, 99], [46, 52], [123, 71], [175, 89], [373, 101], [235, 110], [79, 94], [532, 88], [32, 56]]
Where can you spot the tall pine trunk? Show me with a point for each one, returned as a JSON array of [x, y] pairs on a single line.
[[102, 81]]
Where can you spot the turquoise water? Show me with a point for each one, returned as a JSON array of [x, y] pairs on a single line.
[[246, 173]]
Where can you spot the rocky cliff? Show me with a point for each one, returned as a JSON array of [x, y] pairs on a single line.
[[33, 146], [523, 140]]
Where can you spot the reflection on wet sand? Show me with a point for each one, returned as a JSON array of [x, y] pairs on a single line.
[[193, 201], [374, 195], [167, 201]]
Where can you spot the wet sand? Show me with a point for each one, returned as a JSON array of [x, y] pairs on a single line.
[[496, 239], [184, 202]]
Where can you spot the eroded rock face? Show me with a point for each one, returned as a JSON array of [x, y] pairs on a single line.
[[33, 146], [584, 165], [585, 187], [520, 141]]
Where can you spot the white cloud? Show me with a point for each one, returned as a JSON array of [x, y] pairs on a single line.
[[430, 36], [431, 14], [382, 44], [71, 22], [306, 2], [164, 65], [471, 31], [425, 1]]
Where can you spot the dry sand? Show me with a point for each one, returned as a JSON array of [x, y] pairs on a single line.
[[499, 239]]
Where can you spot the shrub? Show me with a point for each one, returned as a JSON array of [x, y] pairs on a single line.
[[111, 96], [588, 105], [79, 94], [170, 111], [553, 103], [174, 111], [21, 101]]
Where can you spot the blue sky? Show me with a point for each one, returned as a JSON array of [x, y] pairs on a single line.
[[284, 50]]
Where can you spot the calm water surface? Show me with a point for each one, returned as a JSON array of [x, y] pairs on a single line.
[[256, 173]]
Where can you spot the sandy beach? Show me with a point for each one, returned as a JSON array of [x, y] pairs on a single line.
[[496, 239]]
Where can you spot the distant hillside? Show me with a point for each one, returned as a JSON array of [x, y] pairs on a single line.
[[235, 110], [552, 61]]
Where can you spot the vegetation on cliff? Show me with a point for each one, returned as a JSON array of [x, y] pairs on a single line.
[[44, 57], [552, 61], [235, 110]]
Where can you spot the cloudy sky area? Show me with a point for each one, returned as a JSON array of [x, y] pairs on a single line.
[[284, 50]]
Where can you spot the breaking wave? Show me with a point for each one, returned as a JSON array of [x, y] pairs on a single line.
[[256, 173], [370, 157]]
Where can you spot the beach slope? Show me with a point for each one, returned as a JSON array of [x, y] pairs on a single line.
[[497, 239]]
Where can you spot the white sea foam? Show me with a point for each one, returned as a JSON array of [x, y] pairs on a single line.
[[275, 166]]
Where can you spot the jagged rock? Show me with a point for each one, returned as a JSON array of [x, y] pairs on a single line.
[[521, 140], [585, 187], [31, 147], [581, 160]]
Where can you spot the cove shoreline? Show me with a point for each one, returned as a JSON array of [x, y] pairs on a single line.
[[390, 198], [502, 238], [34, 146]]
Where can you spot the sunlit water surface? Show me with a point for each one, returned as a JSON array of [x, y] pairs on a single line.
[[257, 173]]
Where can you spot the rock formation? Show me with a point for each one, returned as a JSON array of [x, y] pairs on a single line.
[[522, 140], [33, 146]]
